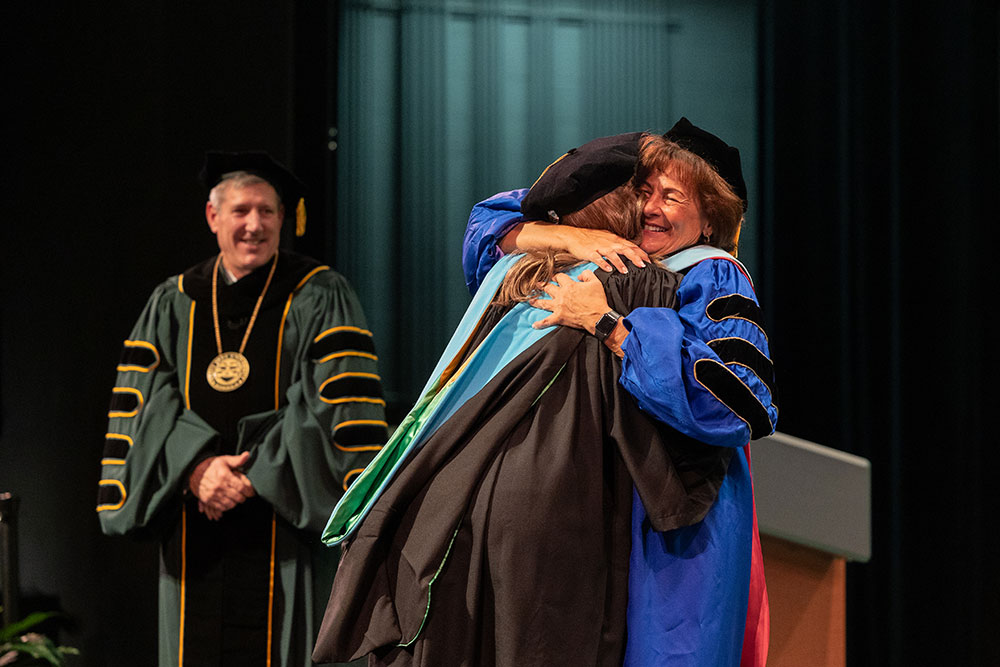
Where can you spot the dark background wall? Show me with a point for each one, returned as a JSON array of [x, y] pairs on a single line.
[[879, 171], [880, 143]]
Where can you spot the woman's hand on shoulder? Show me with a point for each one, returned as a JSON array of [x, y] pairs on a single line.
[[579, 304], [608, 251], [603, 248]]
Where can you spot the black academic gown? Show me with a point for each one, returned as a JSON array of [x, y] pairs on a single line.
[[505, 538]]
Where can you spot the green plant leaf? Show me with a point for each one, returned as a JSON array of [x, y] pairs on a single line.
[[19, 628], [42, 649]]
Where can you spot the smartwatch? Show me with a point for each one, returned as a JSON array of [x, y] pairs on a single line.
[[606, 325]]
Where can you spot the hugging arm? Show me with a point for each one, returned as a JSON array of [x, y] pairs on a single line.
[[496, 227], [703, 368]]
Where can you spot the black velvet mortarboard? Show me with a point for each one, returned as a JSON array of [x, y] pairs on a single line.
[[581, 176], [290, 189], [219, 163], [724, 158]]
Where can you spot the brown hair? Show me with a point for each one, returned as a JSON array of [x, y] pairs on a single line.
[[617, 212], [720, 206]]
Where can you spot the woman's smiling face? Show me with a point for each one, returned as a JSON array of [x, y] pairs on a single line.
[[671, 216]]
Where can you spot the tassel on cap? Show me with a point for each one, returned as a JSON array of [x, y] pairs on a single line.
[[300, 217]]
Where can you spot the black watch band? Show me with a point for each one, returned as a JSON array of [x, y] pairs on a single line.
[[606, 325]]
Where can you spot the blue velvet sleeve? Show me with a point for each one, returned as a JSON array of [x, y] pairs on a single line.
[[489, 221], [704, 368]]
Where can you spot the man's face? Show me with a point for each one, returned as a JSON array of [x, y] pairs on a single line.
[[671, 217], [247, 226]]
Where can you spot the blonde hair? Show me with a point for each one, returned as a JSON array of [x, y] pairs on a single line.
[[720, 206], [618, 212]]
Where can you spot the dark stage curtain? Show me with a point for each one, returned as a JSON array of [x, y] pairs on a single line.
[[879, 144], [441, 104]]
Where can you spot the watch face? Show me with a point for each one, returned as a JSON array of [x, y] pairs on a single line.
[[606, 324]]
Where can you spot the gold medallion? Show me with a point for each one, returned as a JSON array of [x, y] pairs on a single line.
[[228, 371]]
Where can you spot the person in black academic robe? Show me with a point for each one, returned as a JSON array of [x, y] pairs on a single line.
[[494, 529]]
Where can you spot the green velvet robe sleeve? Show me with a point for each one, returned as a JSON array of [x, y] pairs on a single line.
[[330, 419], [153, 439]]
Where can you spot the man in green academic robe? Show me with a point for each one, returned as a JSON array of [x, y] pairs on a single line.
[[247, 399]]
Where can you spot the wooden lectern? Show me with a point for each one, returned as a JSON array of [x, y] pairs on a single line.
[[814, 514]]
